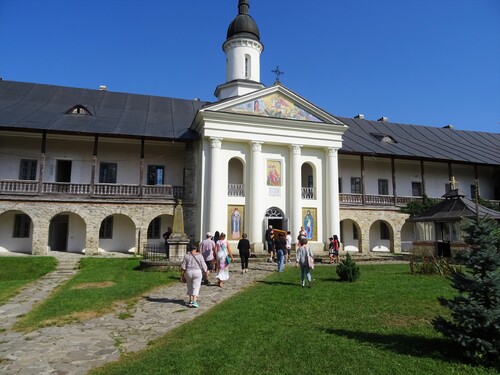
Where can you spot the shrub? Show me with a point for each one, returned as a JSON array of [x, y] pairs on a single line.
[[475, 312], [348, 270], [415, 208], [433, 266]]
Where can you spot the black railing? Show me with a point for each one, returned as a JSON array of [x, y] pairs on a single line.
[[155, 252]]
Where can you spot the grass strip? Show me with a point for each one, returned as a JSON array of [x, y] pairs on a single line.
[[16, 272], [99, 287]]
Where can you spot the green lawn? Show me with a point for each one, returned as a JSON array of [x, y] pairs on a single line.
[[377, 325], [99, 285], [16, 272]]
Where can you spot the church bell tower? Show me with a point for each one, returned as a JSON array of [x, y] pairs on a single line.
[[242, 48]]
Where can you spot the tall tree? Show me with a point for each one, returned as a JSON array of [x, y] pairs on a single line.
[[475, 311]]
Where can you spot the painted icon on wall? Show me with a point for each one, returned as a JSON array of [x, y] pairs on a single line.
[[274, 173], [309, 222], [235, 222]]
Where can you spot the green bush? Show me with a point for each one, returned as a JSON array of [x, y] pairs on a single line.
[[475, 311], [348, 270], [433, 266]]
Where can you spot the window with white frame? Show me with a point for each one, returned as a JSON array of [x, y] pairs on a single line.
[[383, 187], [416, 188], [107, 173], [27, 169], [355, 185]]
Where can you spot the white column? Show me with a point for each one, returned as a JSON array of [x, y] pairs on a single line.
[[256, 213], [216, 203], [332, 194], [296, 191]]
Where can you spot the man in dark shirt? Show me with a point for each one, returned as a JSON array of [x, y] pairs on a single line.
[[280, 245], [270, 243]]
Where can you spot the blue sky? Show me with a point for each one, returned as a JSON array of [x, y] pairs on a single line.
[[426, 62]]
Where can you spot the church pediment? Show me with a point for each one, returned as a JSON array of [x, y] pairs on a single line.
[[274, 102], [274, 105]]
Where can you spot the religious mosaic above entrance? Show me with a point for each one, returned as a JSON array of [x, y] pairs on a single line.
[[274, 105]]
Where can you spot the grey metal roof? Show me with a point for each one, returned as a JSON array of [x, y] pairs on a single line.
[[44, 107], [455, 209], [416, 141], [31, 106]]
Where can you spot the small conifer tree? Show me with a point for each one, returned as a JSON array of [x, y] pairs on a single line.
[[475, 311], [348, 270]]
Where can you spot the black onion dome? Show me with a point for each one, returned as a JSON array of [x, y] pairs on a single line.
[[243, 25]]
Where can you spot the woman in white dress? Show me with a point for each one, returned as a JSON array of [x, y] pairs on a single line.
[[223, 250]]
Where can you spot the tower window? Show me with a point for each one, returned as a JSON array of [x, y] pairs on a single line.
[[247, 66]]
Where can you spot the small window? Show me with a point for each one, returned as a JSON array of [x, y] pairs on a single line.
[[247, 66], [416, 189], [384, 138], [106, 229], [384, 231], [447, 188], [355, 185], [27, 170], [340, 185], [22, 226], [107, 173], [154, 228], [79, 110], [355, 232], [156, 174], [383, 187]]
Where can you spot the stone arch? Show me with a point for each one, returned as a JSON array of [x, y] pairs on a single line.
[[381, 236], [17, 240], [156, 227], [121, 237], [67, 232], [350, 235], [407, 237], [276, 217]]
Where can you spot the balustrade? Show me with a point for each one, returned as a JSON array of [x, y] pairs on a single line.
[[21, 187], [308, 193], [235, 190]]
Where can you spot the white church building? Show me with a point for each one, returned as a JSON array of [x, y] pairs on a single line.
[[93, 170]]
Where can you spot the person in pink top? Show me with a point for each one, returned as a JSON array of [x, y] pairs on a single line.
[[192, 269]]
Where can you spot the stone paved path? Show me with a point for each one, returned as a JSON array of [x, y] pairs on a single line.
[[77, 348]]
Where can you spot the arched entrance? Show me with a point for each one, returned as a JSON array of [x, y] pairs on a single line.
[[276, 218]]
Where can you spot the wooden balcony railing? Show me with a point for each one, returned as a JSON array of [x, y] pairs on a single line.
[[18, 187], [375, 200]]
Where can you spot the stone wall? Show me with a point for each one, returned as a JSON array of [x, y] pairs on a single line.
[[41, 213], [365, 217]]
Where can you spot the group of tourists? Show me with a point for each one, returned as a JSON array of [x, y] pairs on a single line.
[[214, 255]]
